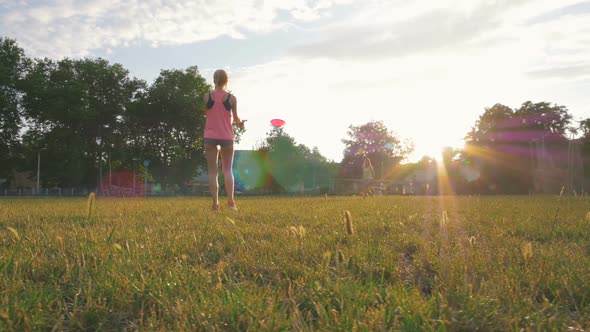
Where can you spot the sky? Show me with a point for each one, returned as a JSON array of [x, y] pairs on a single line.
[[426, 68]]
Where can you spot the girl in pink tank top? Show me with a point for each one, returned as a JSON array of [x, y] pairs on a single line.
[[220, 108], [218, 124]]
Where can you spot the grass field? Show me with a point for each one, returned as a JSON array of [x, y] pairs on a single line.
[[402, 263]]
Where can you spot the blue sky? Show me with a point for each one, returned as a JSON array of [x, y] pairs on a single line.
[[426, 68]]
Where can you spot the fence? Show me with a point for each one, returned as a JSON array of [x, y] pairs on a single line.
[[337, 186], [55, 192], [343, 186]]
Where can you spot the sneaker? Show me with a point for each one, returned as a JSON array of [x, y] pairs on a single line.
[[232, 205], [215, 207]]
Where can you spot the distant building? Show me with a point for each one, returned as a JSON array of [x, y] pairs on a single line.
[[23, 180]]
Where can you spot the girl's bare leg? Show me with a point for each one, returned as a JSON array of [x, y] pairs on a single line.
[[227, 161], [212, 157]]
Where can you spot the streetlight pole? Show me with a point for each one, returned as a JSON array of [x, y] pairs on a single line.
[[110, 173], [146, 163], [38, 169], [100, 173], [111, 168], [543, 147], [134, 160], [544, 163]]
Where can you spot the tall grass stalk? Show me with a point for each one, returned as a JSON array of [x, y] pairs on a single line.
[[348, 223], [90, 205]]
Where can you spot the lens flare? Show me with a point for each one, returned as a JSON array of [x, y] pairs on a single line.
[[250, 170]]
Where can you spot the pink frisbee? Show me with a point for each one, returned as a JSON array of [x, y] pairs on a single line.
[[277, 122]]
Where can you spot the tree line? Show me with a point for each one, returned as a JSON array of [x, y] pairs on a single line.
[[77, 115], [537, 147], [82, 116]]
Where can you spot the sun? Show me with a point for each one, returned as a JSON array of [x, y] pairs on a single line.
[[434, 147], [433, 150]]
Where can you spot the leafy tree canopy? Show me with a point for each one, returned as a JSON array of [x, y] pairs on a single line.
[[374, 141]]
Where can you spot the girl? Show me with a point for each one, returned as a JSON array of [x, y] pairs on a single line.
[[220, 106], [368, 175]]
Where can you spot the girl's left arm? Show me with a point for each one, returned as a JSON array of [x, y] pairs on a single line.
[[234, 104]]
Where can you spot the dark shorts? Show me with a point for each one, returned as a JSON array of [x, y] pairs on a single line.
[[221, 142]]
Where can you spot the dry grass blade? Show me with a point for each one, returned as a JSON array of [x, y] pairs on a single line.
[[299, 232], [14, 232], [348, 224], [91, 203], [527, 251], [444, 220]]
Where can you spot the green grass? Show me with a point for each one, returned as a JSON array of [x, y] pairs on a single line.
[[412, 263]]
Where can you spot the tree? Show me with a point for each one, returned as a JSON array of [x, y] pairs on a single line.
[[293, 165], [544, 117], [490, 125], [13, 66], [584, 129], [166, 125], [81, 102], [373, 140], [317, 170], [286, 159], [452, 179], [503, 140]]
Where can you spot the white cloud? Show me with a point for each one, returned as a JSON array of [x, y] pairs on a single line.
[[433, 96], [432, 100], [575, 71], [392, 29], [460, 26], [76, 27], [426, 68]]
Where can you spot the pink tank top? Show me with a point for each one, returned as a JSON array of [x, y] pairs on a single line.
[[218, 122]]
